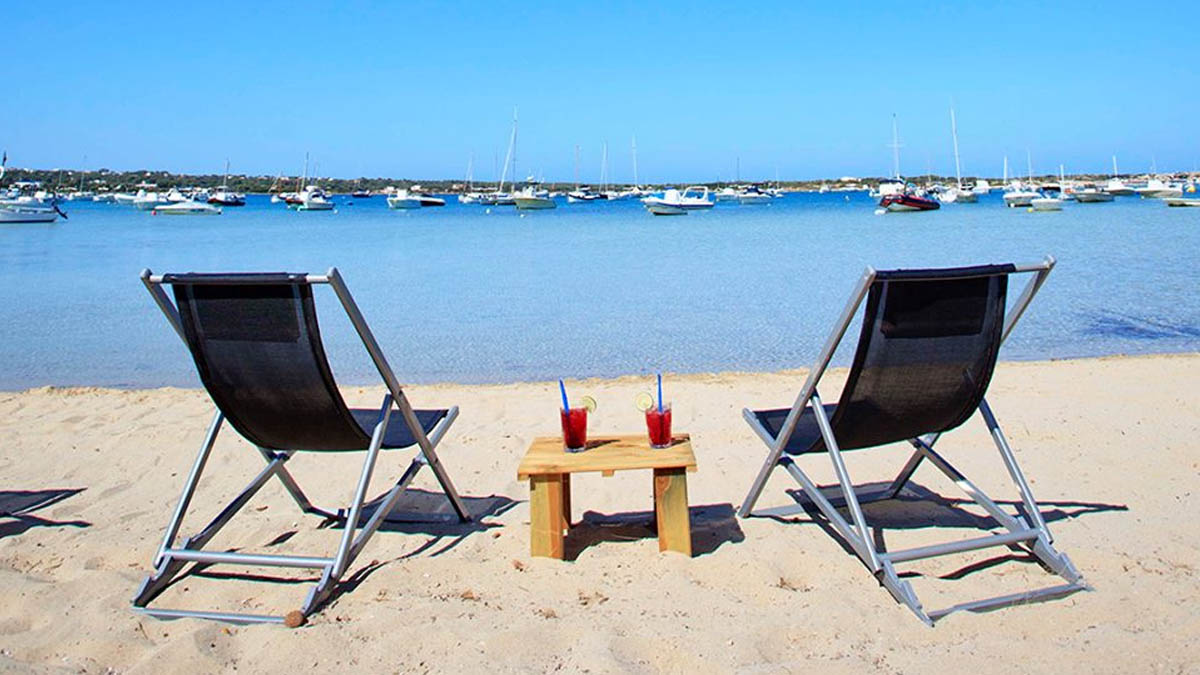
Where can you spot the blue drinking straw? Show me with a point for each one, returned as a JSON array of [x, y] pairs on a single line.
[[562, 388], [660, 393]]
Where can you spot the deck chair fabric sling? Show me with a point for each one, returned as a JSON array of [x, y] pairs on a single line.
[[924, 359], [256, 344]]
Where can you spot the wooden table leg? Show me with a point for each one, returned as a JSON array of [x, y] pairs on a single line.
[[671, 511], [546, 501], [566, 501]]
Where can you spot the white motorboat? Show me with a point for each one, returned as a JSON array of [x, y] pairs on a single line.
[[427, 199], [981, 187], [1158, 189], [530, 199], [1017, 195], [187, 208], [1092, 195], [659, 209], [226, 197], [751, 194], [673, 201], [1182, 201], [124, 198], [726, 194], [314, 199], [959, 195], [584, 193], [148, 201], [1118, 188], [104, 198], [403, 199], [28, 212], [1044, 203]]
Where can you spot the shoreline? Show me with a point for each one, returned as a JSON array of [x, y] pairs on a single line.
[[616, 379]]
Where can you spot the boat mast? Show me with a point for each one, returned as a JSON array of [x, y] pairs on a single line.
[[1029, 165], [576, 167], [510, 156], [470, 171], [957, 164], [225, 181], [604, 168], [635, 171], [1006, 169], [304, 178], [1115, 174], [895, 149]]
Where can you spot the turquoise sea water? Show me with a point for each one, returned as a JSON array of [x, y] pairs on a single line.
[[464, 294]]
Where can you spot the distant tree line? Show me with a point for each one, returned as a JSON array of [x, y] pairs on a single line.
[[104, 180]]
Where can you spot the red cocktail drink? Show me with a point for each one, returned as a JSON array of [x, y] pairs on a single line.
[[658, 425], [574, 428]]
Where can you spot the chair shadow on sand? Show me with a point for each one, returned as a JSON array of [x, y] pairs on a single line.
[[918, 507], [17, 505], [417, 512], [712, 526]]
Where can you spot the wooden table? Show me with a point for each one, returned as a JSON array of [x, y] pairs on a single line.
[[548, 466]]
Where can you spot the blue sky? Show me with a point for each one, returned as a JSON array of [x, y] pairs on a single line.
[[414, 89]]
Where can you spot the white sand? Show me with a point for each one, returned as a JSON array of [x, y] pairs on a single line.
[[1111, 447]]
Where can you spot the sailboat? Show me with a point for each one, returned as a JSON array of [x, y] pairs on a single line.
[[1115, 185], [224, 196], [958, 193], [907, 198], [1015, 193], [469, 195], [581, 193], [1046, 203], [499, 197]]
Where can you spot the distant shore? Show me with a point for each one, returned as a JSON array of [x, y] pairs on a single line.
[[125, 181]]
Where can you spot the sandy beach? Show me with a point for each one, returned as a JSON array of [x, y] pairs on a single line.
[[1110, 446]]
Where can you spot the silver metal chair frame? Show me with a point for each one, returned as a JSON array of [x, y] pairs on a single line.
[[171, 559], [1033, 532]]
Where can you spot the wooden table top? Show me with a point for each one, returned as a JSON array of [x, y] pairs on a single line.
[[605, 454]]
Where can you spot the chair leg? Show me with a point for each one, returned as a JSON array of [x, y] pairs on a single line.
[[835, 455], [167, 563], [429, 453], [773, 460], [905, 474]]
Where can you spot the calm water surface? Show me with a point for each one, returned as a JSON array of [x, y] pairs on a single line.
[[462, 294]]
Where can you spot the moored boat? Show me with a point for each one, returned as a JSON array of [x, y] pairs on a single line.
[[1044, 203], [906, 202], [188, 208], [673, 201], [1092, 195], [1158, 189], [532, 199], [1017, 195], [403, 199], [1182, 201], [28, 212]]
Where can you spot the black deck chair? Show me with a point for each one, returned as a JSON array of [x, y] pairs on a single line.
[[256, 344], [924, 359]]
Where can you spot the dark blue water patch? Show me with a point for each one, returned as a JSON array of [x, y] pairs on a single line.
[[1120, 325]]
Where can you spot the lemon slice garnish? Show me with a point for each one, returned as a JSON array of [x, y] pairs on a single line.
[[588, 403], [644, 401]]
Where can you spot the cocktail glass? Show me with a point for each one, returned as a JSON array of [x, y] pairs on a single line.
[[658, 426], [574, 428]]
